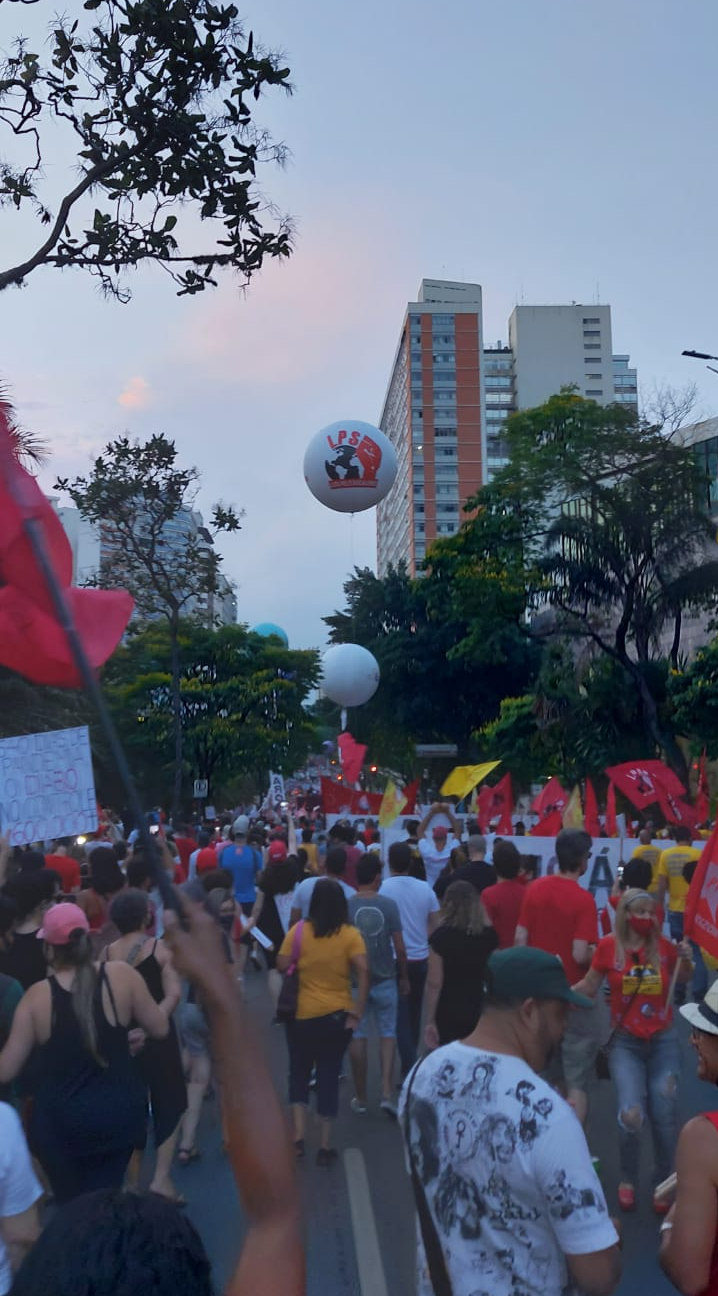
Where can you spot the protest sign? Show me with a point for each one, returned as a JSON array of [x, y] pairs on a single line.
[[47, 789]]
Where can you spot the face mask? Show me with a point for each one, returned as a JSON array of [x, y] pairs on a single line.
[[226, 921], [641, 926]]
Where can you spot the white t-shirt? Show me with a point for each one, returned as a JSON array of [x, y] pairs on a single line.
[[415, 901], [435, 859], [507, 1174], [303, 893], [18, 1186]]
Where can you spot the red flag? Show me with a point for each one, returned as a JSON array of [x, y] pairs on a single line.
[[700, 921], [549, 826], [484, 802], [642, 782], [591, 821], [410, 792], [551, 797], [352, 756], [503, 804], [677, 811], [702, 796], [32, 642], [610, 825], [335, 796]]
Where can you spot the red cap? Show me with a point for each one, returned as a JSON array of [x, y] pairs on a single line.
[[60, 922], [276, 851], [440, 830]]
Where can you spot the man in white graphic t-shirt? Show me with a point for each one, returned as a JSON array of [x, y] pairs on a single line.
[[500, 1160]]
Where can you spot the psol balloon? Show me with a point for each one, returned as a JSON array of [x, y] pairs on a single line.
[[350, 466], [350, 675]]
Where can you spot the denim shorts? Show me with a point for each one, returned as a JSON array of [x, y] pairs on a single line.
[[382, 1006]]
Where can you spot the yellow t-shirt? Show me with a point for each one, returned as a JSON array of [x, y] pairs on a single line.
[[325, 969], [312, 856], [653, 855], [671, 866]]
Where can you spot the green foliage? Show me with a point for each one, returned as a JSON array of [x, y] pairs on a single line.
[[242, 700], [157, 101], [434, 688], [694, 694], [35, 708]]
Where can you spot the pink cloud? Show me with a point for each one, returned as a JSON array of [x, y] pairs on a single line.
[[136, 394]]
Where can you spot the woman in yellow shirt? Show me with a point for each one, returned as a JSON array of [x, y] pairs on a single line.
[[330, 950]]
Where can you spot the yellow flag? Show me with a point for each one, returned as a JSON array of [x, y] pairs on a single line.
[[393, 803], [573, 814], [464, 778]]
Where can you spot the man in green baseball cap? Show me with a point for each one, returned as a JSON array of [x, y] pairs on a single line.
[[495, 1153]]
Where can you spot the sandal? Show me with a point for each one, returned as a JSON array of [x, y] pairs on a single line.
[[185, 1155]]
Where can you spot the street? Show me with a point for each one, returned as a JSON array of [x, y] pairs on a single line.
[[360, 1215]]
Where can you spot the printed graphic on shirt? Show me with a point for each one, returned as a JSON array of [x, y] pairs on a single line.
[[646, 979], [506, 1173]]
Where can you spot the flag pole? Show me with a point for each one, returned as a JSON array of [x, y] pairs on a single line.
[[33, 530]]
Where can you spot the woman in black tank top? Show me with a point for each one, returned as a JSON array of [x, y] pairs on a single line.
[[159, 1062], [88, 1107]]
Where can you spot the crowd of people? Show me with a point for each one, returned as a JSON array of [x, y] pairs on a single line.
[[491, 995]]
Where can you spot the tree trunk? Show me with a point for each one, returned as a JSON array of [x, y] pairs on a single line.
[[177, 721]]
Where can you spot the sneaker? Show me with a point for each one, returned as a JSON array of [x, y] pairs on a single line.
[[359, 1108], [390, 1108]]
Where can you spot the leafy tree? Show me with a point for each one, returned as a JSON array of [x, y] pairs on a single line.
[[610, 517], [142, 502], [156, 99], [694, 693], [242, 704], [35, 708], [430, 691]]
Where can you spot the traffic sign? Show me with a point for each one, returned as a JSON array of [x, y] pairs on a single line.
[[201, 788]]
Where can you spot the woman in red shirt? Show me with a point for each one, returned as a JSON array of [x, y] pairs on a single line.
[[644, 1051], [689, 1241]]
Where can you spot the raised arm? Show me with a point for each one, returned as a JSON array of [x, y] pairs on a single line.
[[272, 1259], [431, 814]]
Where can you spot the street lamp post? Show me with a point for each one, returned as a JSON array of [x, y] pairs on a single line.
[[701, 355]]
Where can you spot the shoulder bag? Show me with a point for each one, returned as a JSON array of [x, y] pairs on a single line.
[[433, 1250], [289, 993]]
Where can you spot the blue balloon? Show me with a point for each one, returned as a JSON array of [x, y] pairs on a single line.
[[268, 628]]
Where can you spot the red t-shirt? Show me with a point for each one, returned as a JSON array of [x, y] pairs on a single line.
[[647, 1013], [354, 854], [556, 911], [68, 870], [503, 902], [206, 861], [185, 847]]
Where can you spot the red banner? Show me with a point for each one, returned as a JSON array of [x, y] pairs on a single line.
[[551, 797], [701, 917], [643, 782], [339, 798]]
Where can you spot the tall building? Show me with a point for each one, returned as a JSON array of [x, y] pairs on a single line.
[[92, 545], [450, 395]]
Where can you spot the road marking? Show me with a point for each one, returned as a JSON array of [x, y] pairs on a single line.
[[372, 1280]]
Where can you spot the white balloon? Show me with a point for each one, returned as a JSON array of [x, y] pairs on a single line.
[[350, 466], [350, 675]]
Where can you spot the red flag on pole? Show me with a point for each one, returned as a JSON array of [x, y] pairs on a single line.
[[410, 792], [352, 756], [611, 826], [643, 782], [32, 641], [700, 921], [551, 797], [549, 826], [502, 803], [591, 821]]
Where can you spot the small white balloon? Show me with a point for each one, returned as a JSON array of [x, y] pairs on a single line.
[[350, 675], [350, 466]]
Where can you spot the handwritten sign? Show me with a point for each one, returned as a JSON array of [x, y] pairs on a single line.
[[47, 789]]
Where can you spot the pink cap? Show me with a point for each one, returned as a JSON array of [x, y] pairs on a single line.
[[440, 830], [277, 851], [60, 922]]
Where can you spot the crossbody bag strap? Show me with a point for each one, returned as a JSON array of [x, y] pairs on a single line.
[[433, 1249], [625, 1012]]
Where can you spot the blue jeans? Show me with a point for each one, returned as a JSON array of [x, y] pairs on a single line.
[[699, 984], [645, 1073]]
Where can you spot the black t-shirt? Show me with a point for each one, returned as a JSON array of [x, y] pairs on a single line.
[[464, 956], [480, 874], [25, 960]]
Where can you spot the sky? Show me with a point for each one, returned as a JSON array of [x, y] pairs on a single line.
[[551, 150]]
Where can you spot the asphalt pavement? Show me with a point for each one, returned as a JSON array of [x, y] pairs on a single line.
[[360, 1215]]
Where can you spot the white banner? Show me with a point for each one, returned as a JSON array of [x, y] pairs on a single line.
[[47, 789], [276, 789]]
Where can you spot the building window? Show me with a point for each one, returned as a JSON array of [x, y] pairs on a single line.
[[594, 377], [591, 333], [442, 321], [594, 391], [591, 346], [593, 320]]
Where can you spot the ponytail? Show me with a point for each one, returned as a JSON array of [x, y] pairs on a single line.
[[78, 954]]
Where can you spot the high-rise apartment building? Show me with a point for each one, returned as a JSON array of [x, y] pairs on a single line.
[[93, 544], [449, 398]]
